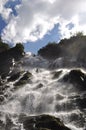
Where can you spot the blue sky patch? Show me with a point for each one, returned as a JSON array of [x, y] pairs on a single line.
[[2, 24], [12, 5], [52, 36], [70, 26]]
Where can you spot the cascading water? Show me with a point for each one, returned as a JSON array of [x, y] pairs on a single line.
[[42, 94]]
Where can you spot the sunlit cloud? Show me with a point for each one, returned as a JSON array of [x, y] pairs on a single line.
[[35, 18]]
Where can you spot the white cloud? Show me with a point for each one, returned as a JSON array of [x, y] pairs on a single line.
[[36, 17], [5, 12]]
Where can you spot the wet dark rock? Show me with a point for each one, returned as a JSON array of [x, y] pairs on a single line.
[[25, 79], [26, 76], [43, 122], [56, 74], [59, 97], [1, 98], [6, 87], [3, 89], [37, 70], [81, 102], [14, 77], [1, 82], [77, 78], [2, 125], [40, 85]]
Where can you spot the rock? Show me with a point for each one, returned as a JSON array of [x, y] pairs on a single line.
[[40, 85], [81, 102], [14, 77], [59, 97], [1, 82], [25, 79], [1, 125], [42, 122], [37, 70], [26, 76], [56, 74], [77, 78], [1, 98]]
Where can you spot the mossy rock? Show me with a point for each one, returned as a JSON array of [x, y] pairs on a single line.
[[43, 122]]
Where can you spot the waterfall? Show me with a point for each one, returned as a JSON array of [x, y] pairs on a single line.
[[44, 93]]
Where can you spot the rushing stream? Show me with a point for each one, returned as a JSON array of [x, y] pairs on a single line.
[[43, 94]]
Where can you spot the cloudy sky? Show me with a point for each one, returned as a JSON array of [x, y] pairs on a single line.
[[37, 22]]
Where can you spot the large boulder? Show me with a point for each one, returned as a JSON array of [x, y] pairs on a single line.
[[42, 122], [77, 78]]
